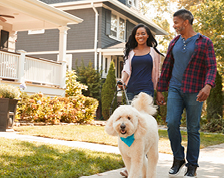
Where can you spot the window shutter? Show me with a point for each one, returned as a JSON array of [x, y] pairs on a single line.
[[129, 28], [108, 21]]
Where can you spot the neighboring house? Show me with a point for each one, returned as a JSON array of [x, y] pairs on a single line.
[[100, 38], [16, 67]]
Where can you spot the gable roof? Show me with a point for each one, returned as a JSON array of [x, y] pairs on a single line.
[[33, 15], [116, 4]]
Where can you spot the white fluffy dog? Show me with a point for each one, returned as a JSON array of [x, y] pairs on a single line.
[[137, 133]]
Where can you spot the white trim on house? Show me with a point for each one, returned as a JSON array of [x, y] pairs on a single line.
[[78, 6], [56, 52], [118, 51], [34, 32]]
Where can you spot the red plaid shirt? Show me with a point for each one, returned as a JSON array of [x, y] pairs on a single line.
[[201, 69]]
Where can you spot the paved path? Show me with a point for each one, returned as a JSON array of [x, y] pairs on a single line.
[[211, 159]]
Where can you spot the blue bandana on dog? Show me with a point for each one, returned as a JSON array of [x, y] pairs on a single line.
[[129, 140]]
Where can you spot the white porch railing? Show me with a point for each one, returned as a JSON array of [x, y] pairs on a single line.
[[42, 71], [30, 69], [8, 65]]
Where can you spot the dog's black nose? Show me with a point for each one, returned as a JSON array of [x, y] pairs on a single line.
[[122, 126]]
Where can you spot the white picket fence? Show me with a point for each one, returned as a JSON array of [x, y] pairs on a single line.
[[35, 70]]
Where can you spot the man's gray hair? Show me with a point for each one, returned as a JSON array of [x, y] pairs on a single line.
[[185, 15]]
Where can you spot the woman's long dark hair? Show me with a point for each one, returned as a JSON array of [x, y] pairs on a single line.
[[132, 43]]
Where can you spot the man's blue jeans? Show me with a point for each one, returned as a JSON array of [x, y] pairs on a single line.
[[176, 103]]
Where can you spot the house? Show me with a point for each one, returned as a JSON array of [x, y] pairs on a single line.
[[16, 66], [100, 38]]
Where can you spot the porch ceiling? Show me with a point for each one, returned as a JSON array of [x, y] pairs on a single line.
[[34, 15]]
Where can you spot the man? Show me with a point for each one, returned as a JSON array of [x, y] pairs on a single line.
[[189, 71]]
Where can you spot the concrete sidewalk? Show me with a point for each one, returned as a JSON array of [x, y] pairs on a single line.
[[211, 159]]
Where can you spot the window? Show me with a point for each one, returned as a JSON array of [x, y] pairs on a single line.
[[117, 27], [33, 32], [113, 30], [105, 65], [133, 3], [4, 39], [121, 28]]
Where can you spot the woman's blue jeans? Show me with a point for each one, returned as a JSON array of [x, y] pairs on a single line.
[[176, 103], [132, 95]]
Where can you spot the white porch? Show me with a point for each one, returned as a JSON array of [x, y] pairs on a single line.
[[39, 75]]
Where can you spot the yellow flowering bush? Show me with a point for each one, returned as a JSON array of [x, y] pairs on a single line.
[[39, 108]]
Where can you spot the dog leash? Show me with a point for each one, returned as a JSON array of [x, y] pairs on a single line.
[[115, 94]]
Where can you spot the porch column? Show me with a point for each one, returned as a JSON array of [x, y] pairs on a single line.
[[21, 66], [62, 53]]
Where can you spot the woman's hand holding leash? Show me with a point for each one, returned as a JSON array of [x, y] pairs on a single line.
[[121, 84]]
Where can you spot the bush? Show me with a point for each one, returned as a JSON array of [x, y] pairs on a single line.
[[73, 87], [108, 90], [215, 121], [39, 108], [215, 125], [90, 77], [215, 100], [75, 108]]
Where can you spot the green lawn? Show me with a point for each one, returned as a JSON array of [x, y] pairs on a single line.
[[20, 159], [33, 159], [97, 134]]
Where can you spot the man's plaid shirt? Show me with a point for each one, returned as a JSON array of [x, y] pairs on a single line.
[[201, 69]]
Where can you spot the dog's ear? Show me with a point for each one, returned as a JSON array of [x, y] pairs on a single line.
[[109, 126], [141, 128]]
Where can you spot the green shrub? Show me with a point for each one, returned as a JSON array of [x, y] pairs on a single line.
[[39, 108], [215, 100], [90, 77], [215, 121], [108, 90]]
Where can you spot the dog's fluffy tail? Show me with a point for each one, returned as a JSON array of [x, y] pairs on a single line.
[[144, 103]]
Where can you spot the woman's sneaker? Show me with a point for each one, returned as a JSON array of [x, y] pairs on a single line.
[[191, 172], [176, 167]]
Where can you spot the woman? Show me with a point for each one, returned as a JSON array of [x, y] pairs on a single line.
[[141, 64]]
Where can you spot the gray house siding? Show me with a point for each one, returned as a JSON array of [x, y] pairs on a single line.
[[49, 41], [123, 2], [77, 58], [81, 36], [52, 57]]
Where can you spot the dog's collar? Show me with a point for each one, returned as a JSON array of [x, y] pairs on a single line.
[[128, 140]]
